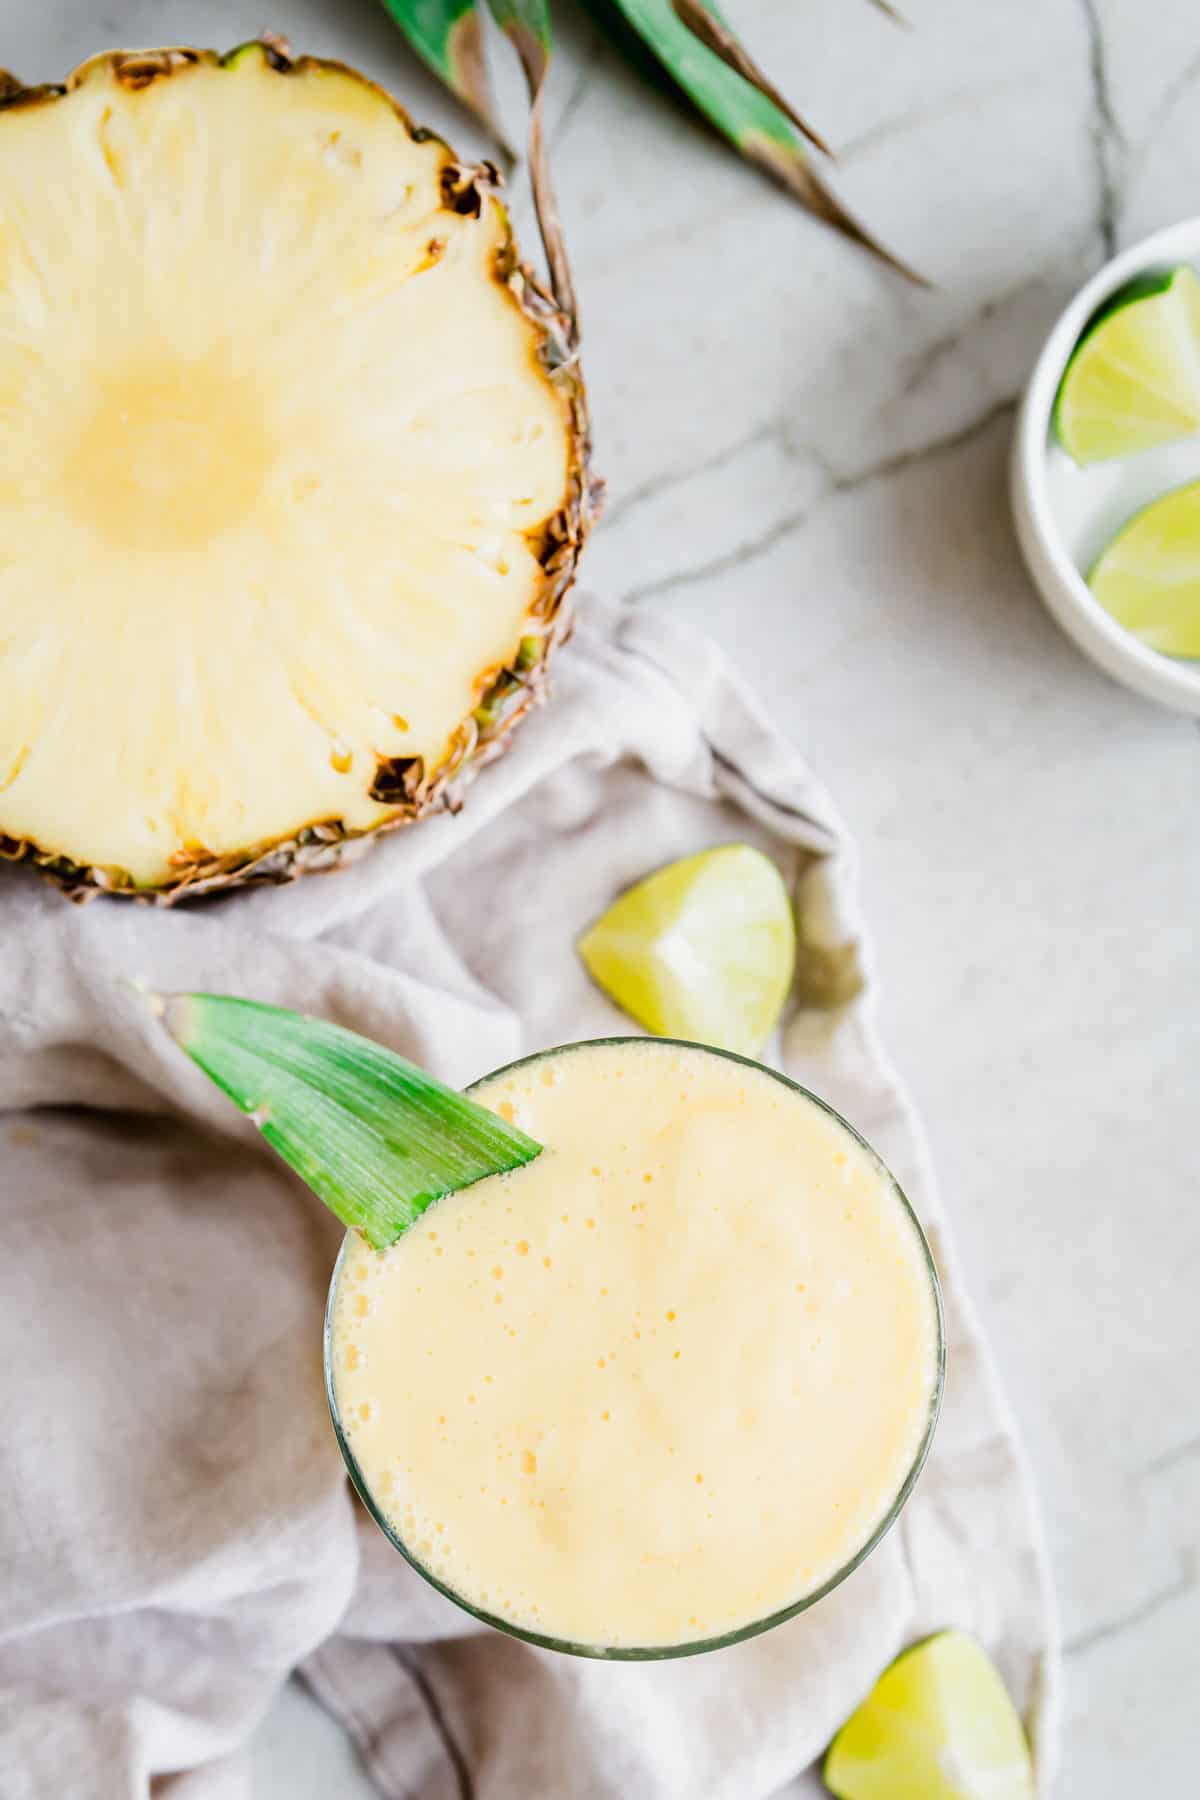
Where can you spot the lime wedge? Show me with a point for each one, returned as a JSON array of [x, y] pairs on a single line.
[[705, 949], [937, 1725], [1149, 576], [1134, 378]]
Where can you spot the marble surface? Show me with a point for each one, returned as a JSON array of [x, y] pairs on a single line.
[[807, 458]]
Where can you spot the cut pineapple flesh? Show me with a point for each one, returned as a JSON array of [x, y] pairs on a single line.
[[285, 474]]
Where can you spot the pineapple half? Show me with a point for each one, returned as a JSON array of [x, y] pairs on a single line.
[[293, 470]]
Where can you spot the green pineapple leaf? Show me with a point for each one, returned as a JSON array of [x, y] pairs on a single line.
[[703, 22], [448, 35], [691, 43], [526, 22], [705, 60], [375, 1137]]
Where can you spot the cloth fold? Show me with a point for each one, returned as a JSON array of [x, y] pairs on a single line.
[[176, 1531]]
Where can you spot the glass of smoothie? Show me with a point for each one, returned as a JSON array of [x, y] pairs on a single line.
[[661, 1388]]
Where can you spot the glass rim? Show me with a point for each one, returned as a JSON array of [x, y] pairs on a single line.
[[739, 1634]]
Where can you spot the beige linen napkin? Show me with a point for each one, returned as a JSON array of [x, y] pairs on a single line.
[[176, 1532]]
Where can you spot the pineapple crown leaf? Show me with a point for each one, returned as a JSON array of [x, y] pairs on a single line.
[[448, 36], [374, 1136], [690, 43]]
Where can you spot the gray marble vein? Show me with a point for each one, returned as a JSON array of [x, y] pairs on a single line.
[[591, 63], [1107, 137], [832, 482], [1124, 1623], [1169, 1458]]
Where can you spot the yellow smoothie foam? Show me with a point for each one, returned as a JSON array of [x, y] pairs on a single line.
[[661, 1383]]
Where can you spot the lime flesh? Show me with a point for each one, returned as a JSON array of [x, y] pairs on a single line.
[[704, 949], [1134, 378], [1148, 578], [938, 1725]]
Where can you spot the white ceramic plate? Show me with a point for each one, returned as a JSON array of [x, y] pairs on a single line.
[[1066, 515]]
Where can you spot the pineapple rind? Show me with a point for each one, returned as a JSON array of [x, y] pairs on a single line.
[[403, 785]]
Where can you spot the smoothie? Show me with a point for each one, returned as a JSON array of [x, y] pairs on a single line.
[[661, 1384]]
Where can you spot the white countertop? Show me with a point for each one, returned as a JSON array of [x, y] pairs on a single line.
[[807, 458]]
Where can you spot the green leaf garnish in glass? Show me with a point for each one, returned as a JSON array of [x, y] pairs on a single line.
[[375, 1137]]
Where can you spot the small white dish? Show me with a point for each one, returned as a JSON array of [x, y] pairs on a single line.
[[1065, 515]]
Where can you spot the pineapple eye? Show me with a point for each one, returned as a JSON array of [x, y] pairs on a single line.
[[113, 160], [338, 153]]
